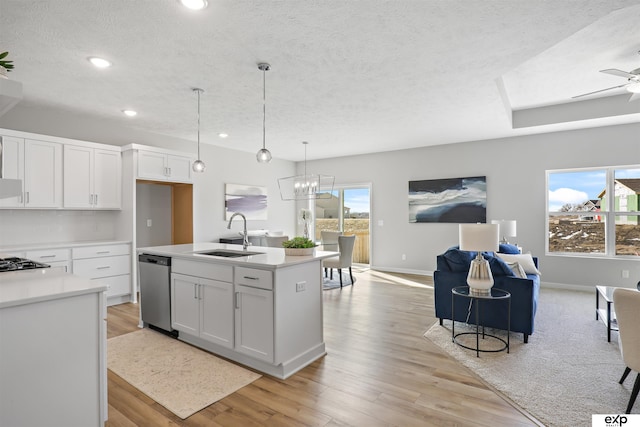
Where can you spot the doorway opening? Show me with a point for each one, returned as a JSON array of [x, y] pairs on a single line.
[[347, 210]]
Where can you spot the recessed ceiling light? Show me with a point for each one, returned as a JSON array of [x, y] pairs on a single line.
[[223, 135], [194, 4], [130, 113], [99, 62]]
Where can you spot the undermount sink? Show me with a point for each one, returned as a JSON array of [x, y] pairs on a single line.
[[228, 253]]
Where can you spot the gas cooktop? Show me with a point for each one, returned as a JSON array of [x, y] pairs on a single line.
[[19, 264]]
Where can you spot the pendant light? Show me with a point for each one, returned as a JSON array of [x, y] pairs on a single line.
[[198, 165], [306, 186], [263, 155]]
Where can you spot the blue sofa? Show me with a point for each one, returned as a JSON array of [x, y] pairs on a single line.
[[452, 269]]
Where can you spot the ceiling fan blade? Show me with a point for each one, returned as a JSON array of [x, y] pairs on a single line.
[[598, 91], [619, 73]]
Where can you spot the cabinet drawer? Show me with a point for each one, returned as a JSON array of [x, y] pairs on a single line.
[[224, 273], [253, 277], [100, 251], [118, 285], [48, 255], [94, 268]]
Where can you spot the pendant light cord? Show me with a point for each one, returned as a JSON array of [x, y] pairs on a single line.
[[264, 106], [199, 90], [305, 160]]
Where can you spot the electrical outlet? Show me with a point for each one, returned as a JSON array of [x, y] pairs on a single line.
[[301, 286], [380, 222], [149, 223], [625, 274], [404, 257]]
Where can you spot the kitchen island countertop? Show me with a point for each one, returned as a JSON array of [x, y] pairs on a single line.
[[269, 258]]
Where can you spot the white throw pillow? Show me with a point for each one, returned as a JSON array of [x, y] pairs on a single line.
[[525, 260], [517, 270]]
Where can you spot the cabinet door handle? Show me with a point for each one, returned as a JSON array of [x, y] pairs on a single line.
[[195, 291], [237, 294], [21, 197], [103, 252], [47, 256], [103, 267], [27, 196], [95, 196], [169, 171], [251, 278], [90, 199]]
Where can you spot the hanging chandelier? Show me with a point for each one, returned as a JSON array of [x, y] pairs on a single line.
[[263, 155], [306, 186], [198, 165]]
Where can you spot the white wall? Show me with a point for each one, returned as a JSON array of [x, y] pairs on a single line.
[[237, 167], [153, 203], [515, 170]]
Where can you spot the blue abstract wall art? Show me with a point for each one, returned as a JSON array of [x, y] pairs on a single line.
[[452, 200]]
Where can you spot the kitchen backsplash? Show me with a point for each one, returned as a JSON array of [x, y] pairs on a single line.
[[22, 227]]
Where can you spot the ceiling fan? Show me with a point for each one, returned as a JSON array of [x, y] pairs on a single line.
[[632, 85]]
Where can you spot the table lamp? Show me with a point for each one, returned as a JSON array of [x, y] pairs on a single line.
[[507, 228], [479, 237]]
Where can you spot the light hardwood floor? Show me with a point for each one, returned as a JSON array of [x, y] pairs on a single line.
[[379, 371]]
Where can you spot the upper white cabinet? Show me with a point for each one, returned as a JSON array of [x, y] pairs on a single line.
[[92, 178], [163, 167], [39, 165]]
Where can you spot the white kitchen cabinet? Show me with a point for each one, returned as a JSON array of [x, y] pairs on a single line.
[[254, 322], [163, 167], [216, 314], [203, 308], [185, 306], [39, 165], [92, 178], [108, 264], [53, 257]]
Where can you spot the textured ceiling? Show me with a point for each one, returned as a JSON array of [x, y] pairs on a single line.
[[350, 76]]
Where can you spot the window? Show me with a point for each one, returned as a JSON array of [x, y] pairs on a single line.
[[583, 220], [347, 210]]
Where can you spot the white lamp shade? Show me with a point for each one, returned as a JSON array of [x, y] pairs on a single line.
[[479, 237], [507, 227]]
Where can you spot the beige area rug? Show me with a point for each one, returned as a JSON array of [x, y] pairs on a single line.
[[567, 372], [180, 377]]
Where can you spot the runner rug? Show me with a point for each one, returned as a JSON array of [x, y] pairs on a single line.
[[180, 377], [567, 372]]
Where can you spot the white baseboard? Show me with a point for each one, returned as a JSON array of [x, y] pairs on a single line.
[[403, 270], [579, 288]]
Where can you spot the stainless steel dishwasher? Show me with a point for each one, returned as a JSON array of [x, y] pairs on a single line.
[[155, 292]]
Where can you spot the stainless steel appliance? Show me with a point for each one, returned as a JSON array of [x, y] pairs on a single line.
[[155, 292], [19, 264]]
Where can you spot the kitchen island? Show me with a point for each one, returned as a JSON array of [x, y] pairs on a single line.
[[52, 349], [262, 310]]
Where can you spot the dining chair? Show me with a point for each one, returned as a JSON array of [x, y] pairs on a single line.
[[330, 240], [275, 241], [344, 260], [627, 306]]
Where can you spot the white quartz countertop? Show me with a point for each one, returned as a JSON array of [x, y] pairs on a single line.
[[270, 258], [43, 284], [60, 245]]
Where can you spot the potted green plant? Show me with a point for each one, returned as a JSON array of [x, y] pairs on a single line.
[[5, 66], [299, 246]]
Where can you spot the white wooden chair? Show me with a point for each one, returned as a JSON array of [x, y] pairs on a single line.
[[275, 241], [345, 246]]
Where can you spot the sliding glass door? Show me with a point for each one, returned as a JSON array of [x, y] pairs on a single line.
[[347, 210]]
